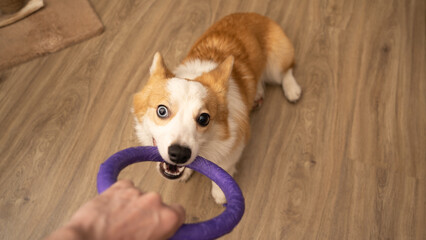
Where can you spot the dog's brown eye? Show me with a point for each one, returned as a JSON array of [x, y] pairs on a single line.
[[162, 111], [204, 119]]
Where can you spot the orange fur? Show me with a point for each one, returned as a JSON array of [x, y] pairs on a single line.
[[154, 93], [216, 82]]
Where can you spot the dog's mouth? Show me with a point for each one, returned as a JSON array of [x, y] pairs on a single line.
[[171, 171], [168, 170]]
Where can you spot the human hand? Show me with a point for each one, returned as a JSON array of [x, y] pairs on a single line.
[[123, 212]]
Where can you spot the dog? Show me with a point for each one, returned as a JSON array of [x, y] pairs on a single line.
[[203, 106]]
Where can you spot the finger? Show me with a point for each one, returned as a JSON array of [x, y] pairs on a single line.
[[123, 184], [117, 188], [171, 219], [129, 193], [180, 212], [151, 199]]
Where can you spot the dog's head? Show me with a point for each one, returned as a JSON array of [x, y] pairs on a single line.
[[180, 115]]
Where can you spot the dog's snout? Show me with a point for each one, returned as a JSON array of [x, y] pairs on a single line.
[[179, 154]]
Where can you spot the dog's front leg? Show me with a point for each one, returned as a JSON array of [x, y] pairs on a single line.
[[217, 193], [186, 175]]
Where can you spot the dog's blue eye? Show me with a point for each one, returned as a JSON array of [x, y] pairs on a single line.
[[162, 111], [203, 120]]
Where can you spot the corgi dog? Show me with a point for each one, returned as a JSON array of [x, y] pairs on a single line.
[[203, 106]]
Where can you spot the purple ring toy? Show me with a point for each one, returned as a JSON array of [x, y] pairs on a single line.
[[210, 229]]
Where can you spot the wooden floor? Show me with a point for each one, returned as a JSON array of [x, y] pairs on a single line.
[[346, 162]]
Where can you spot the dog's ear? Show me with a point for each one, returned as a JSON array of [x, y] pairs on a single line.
[[222, 73], [158, 68], [218, 78]]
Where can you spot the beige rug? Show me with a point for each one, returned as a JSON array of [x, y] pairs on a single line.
[[58, 24]]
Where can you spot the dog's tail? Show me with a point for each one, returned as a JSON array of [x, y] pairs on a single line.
[[280, 62]]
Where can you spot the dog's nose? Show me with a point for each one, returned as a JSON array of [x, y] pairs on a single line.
[[179, 154]]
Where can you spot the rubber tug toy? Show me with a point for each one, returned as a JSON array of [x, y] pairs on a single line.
[[210, 229]]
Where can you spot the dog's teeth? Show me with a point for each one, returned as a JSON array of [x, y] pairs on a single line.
[[173, 169]]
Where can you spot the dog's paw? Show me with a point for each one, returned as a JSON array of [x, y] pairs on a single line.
[[186, 175], [257, 103], [293, 92], [260, 94], [218, 195]]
